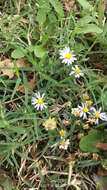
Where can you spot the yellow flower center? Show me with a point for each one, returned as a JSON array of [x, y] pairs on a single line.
[[62, 133], [85, 110], [77, 70], [97, 115], [63, 143], [40, 101], [68, 55]]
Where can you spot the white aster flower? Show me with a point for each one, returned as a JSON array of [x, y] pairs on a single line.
[[64, 144], [83, 111], [67, 56], [98, 115], [76, 71], [38, 102], [75, 112]]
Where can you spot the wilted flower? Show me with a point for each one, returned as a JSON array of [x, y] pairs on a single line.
[[89, 103], [77, 122], [95, 156], [80, 135], [66, 122], [50, 124], [91, 121], [72, 163], [85, 154], [62, 133], [91, 131], [65, 116], [38, 102], [67, 56], [76, 71], [85, 96], [86, 126], [68, 103]]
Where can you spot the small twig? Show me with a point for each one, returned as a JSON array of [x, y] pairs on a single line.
[[12, 100]]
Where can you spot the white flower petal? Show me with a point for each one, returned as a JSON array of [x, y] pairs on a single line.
[[43, 95], [103, 116], [71, 73], [93, 109], [99, 110], [97, 120], [37, 94]]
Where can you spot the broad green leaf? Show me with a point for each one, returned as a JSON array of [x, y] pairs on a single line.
[[41, 17], [89, 28], [58, 7], [87, 143], [104, 98], [85, 20], [78, 47], [52, 17], [85, 4], [44, 4], [39, 51], [44, 9], [18, 53]]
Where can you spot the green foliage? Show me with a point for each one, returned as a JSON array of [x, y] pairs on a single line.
[[44, 9], [85, 20], [58, 7], [87, 143], [40, 51], [18, 53], [85, 4], [89, 28]]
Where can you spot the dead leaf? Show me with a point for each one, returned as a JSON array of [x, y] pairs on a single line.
[[9, 66], [79, 81], [6, 181], [31, 85], [34, 150], [56, 108], [99, 66], [101, 182], [70, 157], [69, 4], [101, 145], [102, 171]]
